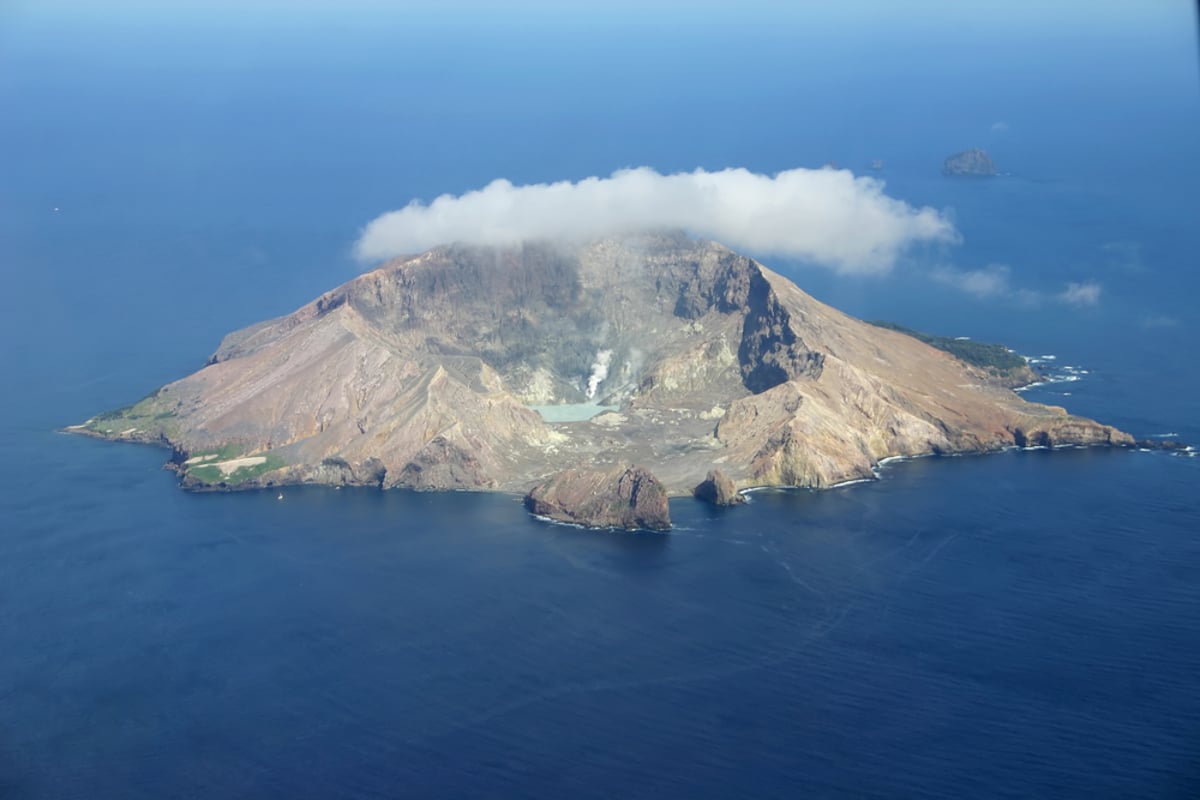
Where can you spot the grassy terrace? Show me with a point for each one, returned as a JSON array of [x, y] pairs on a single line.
[[218, 465], [214, 474], [995, 358], [153, 414], [156, 415]]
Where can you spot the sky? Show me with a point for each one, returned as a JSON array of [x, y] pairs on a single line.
[[984, 15]]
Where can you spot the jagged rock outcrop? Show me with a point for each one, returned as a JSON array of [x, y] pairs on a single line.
[[1067, 430], [973, 163], [334, 471], [629, 498], [443, 464], [422, 372], [718, 489], [1171, 445]]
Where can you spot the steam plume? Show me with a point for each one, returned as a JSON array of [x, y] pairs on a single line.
[[599, 372]]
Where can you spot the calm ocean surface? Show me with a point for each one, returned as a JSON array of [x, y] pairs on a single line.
[[1019, 625]]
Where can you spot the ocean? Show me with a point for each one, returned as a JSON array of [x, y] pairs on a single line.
[[1025, 624]]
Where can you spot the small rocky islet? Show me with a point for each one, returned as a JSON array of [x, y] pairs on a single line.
[[972, 163]]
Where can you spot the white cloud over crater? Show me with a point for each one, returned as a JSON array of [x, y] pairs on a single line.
[[827, 216]]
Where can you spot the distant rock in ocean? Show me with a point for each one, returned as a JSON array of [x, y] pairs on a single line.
[[973, 163]]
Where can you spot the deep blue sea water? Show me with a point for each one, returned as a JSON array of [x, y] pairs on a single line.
[[1018, 625]]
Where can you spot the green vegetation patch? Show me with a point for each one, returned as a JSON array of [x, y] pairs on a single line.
[[209, 472], [153, 414], [993, 357]]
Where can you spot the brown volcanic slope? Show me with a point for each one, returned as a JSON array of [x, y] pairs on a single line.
[[420, 374]]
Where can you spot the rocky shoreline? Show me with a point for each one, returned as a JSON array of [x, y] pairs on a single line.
[[631, 498]]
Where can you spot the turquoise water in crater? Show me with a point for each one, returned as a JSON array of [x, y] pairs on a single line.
[[572, 412]]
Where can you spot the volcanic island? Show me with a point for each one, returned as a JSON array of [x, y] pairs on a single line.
[[597, 379]]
